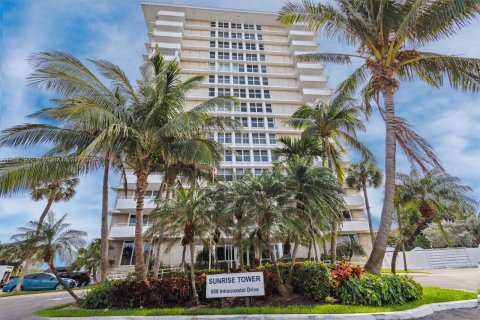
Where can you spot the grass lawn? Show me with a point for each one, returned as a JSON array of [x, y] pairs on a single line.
[[23, 293], [386, 270], [430, 295]]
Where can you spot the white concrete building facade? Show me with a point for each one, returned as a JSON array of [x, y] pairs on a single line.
[[249, 55]]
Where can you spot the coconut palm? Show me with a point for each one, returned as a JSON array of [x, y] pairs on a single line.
[[386, 35], [55, 240], [186, 211], [304, 146], [346, 250], [89, 258], [360, 176], [426, 197], [332, 125], [267, 199]]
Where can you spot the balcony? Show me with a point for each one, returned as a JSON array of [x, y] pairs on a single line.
[[303, 45], [301, 34], [171, 15], [311, 94], [168, 36], [163, 25], [355, 225], [354, 202], [124, 230], [131, 204]]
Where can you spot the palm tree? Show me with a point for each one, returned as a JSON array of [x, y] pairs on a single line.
[[360, 176], [186, 211], [55, 239], [89, 258], [426, 197], [267, 199], [53, 191], [386, 35], [332, 125], [317, 194]]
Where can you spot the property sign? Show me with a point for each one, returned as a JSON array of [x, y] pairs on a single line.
[[245, 284]]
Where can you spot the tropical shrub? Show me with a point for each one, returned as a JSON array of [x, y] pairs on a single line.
[[343, 271], [311, 280], [99, 297], [130, 294], [378, 290], [270, 279]]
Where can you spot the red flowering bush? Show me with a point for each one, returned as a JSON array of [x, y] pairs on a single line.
[[271, 281], [343, 271]]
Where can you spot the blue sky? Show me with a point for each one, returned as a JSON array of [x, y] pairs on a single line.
[[116, 31]]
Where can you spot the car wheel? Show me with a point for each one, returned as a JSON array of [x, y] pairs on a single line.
[[59, 287]]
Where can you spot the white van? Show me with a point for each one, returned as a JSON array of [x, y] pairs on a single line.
[[5, 272]]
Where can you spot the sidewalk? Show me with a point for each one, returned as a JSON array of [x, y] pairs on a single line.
[[461, 278]]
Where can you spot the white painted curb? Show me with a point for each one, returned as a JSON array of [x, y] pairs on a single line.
[[419, 312]]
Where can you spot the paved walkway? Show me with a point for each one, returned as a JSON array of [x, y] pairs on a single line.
[[460, 314], [461, 278]]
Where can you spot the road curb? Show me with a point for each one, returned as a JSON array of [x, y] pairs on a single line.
[[419, 312]]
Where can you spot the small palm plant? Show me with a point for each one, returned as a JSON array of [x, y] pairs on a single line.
[[55, 240], [426, 197], [88, 258], [360, 176]]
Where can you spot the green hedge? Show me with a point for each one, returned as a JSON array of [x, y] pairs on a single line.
[[378, 290]]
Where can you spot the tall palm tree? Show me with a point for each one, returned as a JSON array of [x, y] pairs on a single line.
[[89, 258], [186, 211], [55, 239], [386, 35], [360, 176], [332, 125], [426, 197], [267, 199]]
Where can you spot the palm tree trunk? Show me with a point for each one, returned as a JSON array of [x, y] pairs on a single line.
[[324, 245], [140, 268], [28, 261], [156, 265], [240, 253], [333, 243], [104, 227], [281, 286], [52, 268], [407, 237], [369, 215], [374, 263], [309, 255], [94, 275], [183, 256], [400, 230], [192, 272], [292, 266]]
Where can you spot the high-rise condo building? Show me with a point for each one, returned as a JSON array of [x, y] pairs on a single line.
[[249, 55]]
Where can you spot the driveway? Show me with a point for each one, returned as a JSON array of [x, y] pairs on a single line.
[[461, 278], [22, 307]]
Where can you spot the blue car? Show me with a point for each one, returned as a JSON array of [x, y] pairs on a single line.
[[39, 281]]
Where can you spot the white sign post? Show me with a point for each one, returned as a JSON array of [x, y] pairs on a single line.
[[247, 284]]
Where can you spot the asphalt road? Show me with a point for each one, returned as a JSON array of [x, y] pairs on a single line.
[[459, 278], [22, 307]]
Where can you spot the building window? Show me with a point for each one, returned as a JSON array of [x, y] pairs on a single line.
[[259, 37], [272, 138], [262, 57], [250, 46], [212, 55], [260, 47], [224, 79], [225, 174], [250, 36], [228, 156], [260, 156], [128, 252], [211, 92], [211, 137], [266, 94], [255, 94], [223, 44], [225, 253], [242, 156], [265, 81], [133, 219], [271, 122], [259, 172], [237, 56], [239, 174], [264, 69], [238, 80], [223, 91], [223, 34], [258, 123], [259, 138], [239, 93], [237, 45], [223, 24], [236, 26], [241, 108], [213, 24], [223, 67], [259, 27], [251, 57], [241, 138], [243, 121], [223, 55], [254, 81], [252, 68], [268, 108], [212, 34], [212, 44], [225, 138], [248, 26], [256, 107], [211, 79], [238, 67], [236, 35]]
